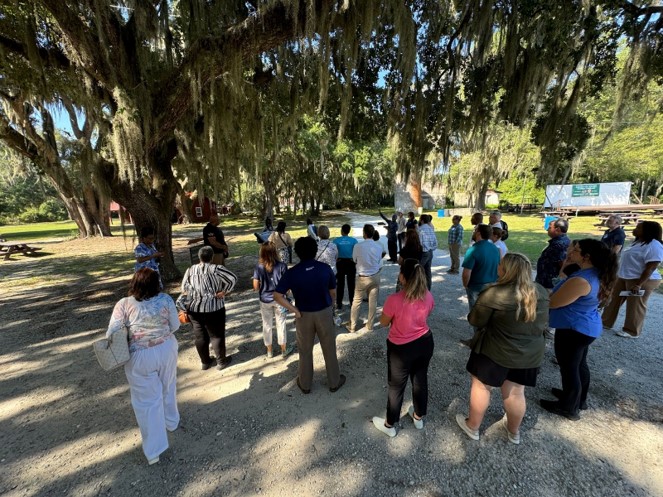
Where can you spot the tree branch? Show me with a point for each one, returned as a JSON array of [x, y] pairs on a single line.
[[270, 27]]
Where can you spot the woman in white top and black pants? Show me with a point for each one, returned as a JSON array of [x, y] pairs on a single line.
[[207, 284], [637, 271]]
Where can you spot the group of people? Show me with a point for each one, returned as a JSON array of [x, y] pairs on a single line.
[[574, 281], [508, 310]]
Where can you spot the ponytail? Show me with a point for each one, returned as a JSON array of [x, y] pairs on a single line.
[[605, 262], [415, 286]]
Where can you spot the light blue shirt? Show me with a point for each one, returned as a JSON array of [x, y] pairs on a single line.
[[345, 245]]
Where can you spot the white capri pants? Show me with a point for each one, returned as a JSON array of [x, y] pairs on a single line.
[[272, 311], [152, 376]]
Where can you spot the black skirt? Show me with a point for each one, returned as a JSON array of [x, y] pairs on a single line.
[[492, 374]]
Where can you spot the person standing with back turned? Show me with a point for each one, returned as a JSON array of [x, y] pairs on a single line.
[[429, 244], [409, 346], [345, 266], [367, 255], [314, 287], [213, 237]]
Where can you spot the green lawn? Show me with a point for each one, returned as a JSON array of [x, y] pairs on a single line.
[[39, 231], [526, 233]]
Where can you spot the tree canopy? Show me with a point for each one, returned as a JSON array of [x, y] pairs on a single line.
[[166, 95]]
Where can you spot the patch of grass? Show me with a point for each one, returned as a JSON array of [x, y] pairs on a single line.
[[39, 231]]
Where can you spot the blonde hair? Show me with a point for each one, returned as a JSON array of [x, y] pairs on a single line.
[[517, 271], [415, 287]]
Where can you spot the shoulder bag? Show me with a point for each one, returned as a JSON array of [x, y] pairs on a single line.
[[182, 306], [112, 352], [288, 247]]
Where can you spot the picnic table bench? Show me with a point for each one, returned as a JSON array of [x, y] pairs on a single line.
[[9, 248], [627, 217]]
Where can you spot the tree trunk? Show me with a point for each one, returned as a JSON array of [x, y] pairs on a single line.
[[414, 189], [154, 206], [480, 201], [268, 185], [97, 208]]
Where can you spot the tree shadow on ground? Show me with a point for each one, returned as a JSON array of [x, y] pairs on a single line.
[[248, 430]]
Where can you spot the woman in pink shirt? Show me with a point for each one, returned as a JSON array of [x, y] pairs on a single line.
[[409, 346]]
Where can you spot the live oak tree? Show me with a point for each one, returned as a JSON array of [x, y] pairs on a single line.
[[181, 92]]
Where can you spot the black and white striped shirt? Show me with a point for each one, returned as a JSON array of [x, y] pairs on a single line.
[[201, 283]]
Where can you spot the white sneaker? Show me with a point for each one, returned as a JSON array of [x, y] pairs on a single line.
[[153, 461], [418, 423], [462, 422], [513, 438], [624, 334], [379, 424]]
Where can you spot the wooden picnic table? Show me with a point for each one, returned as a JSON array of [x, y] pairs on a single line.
[[9, 248]]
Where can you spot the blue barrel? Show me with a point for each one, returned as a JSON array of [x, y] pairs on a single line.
[[440, 213], [548, 220]]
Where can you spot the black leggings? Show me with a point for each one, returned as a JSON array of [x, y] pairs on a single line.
[[571, 352], [209, 327], [409, 360]]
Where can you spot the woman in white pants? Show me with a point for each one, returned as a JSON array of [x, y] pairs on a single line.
[[266, 276], [151, 319]]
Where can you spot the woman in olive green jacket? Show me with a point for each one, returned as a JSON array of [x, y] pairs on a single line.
[[508, 348]]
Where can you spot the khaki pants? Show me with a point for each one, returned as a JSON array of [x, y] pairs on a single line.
[[636, 307], [370, 285], [454, 252], [319, 323]]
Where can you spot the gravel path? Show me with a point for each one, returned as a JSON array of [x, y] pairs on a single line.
[[68, 428]]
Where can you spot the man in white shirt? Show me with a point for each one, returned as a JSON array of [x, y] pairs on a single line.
[[368, 257]]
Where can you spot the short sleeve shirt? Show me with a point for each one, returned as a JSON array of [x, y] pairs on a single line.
[[310, 282], [268, 281], [549, 263], [408, 318], [143, 250], [215, 232], [345, 245], [614, 237], [635, 258], [482, 258]]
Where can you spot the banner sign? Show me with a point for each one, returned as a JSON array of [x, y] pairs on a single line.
[[588, 190]]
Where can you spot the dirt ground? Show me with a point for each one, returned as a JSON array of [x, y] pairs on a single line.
[[68, 428]]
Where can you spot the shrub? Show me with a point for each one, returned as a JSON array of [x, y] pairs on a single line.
[[52, 210], [29, 215]]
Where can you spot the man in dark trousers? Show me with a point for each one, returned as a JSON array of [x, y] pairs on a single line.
[[346, 269], [213, 236], [313, 285]]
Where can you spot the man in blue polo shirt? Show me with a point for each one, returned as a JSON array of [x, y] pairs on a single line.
[[313, 285], [345, 266], [480, 264], [614, 236]]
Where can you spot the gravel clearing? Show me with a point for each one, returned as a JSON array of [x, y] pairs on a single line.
[[68, 428]]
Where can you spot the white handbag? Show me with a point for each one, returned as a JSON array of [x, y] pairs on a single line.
[[112, 352]]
